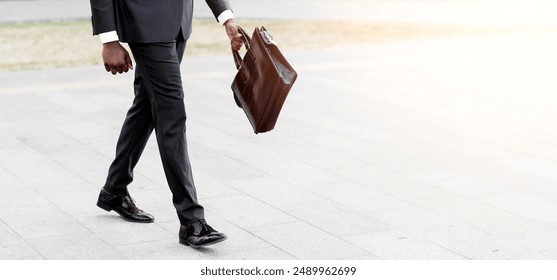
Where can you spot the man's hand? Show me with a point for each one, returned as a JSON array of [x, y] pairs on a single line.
[[234, 35], [116, 59]]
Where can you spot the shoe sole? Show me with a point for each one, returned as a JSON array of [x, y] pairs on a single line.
[[183, 241], [107, 208]]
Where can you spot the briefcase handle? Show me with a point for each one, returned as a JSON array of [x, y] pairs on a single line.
[[236, 54]]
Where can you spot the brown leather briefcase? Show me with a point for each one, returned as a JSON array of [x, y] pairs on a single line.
[[263, 80]]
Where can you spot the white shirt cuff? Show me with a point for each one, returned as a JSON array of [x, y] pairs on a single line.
[[224, 16], [108, 37]]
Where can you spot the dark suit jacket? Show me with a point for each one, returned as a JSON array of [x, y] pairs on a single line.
[[148, 21]]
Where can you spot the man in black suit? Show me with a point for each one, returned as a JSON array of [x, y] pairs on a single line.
[[156, 32]]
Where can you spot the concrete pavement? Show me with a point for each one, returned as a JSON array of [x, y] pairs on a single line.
[[426, 149]]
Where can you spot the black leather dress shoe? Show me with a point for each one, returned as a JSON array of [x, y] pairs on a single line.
[[199, 234], [124, 206]]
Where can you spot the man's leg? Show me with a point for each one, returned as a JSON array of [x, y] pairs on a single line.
[[134, 135], [199, 233], [158, 65], [135, 132], [158, 71]]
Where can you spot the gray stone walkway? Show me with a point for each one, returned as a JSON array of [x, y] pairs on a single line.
[[425, 149]]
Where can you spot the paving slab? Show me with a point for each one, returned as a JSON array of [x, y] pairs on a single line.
[[304, 241], [396, 244], [81, 246]]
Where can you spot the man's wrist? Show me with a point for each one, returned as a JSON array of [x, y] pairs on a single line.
[[225, 16], [107, 37]]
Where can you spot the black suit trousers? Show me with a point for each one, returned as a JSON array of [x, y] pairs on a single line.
[[158, 105]]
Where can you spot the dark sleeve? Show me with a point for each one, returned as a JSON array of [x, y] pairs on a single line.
[[102, 16], [217, 6]]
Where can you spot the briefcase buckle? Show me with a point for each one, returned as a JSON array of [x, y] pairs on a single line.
[[267, 38]]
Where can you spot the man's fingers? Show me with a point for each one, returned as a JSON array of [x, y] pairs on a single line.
[[238, 39], [113, 69], [129, 63], [118, 68], [236, 46], [237, 42], [234, 35], [116, 58]]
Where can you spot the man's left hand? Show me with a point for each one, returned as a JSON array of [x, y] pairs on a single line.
[[234, 35]]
